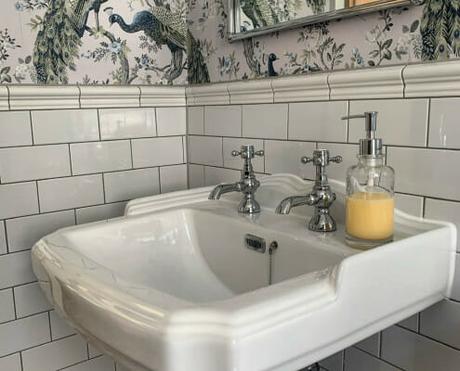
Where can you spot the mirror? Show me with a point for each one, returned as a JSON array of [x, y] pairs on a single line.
[[250, 18]]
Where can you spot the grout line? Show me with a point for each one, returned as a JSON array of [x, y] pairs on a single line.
[[38, 197], [159, 179], [31, 128], [49, 324], [21, 361], [427, 132], [131, 151], [403, 80], [99, 123], [14, 305]]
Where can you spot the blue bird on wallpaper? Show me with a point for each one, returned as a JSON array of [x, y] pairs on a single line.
[[58, 40], [167, 28], [271, 69]]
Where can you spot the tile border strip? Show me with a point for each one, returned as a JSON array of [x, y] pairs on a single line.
[[441, 79]]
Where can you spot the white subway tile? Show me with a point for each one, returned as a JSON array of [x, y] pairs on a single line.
[[103, 363], [196, 176], [334, 362], [127, 185], [30, 299], [441, 322], [172, 121], [30, 163], [100, 212], [11, 363], [195, 118], [127, 123], [6, 306], [18, 200], [357, 360], [205, 150], [370, 345], [157, 151], [3, 249], [265, 121], [409, 204], [284, 157], [426, 171], [400, 121], [55, 355], [100, 156], [15, 129], [231, 144], [320, 121], [16, 269], [411, 351], [216, 175], [24, 333], [68, 193], [59, 327], [173, 178], [64, 126], [445, 211], [444, 128], [24, 232], [222, 121]]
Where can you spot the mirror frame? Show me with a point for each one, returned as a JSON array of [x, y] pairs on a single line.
[[234, 17]]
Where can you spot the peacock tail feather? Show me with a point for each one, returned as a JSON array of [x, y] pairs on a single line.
[[440, 28], [197, 68]]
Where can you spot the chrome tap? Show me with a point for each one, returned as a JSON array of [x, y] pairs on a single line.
[[321, 196], [247, 185]]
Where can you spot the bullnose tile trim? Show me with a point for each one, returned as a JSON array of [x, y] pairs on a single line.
[[213, 94], [109, 96], [254, 91], [162, 96], [301, 88], [4, 103], [377, 83], [441, 79], [43, 97]]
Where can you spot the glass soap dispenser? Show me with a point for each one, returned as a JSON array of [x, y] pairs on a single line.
[[370, 192]]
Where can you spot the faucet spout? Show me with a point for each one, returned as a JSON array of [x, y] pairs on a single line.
[[289, 203], [221, 189]]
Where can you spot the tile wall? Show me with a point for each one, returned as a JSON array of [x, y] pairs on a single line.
[[422, 144], [65, 167]]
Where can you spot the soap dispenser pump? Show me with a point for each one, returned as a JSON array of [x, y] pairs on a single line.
[[370, 192]]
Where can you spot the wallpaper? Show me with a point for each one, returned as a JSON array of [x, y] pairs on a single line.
[[428, 31], [146, 42], [92, 42]]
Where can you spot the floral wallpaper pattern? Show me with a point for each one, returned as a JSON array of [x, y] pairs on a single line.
[[146, 42], [82, 42], [427, 31]]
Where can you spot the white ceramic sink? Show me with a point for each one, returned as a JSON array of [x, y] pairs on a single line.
[[171, 285]]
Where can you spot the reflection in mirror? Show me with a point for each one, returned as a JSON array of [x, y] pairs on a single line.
[[256, 16]]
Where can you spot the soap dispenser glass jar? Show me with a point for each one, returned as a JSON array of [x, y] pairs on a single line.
[[370, 203], [370, 193]]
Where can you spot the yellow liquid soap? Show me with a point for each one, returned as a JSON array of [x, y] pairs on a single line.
[[370, 216]]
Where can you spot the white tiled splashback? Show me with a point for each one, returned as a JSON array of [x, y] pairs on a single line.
[[81, 152], [421, 143], [60, 167]]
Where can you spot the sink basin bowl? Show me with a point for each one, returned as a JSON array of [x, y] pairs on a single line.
[[184, 283]]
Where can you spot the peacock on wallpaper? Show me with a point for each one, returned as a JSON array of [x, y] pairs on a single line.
[[175, 41], [97, 42]]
